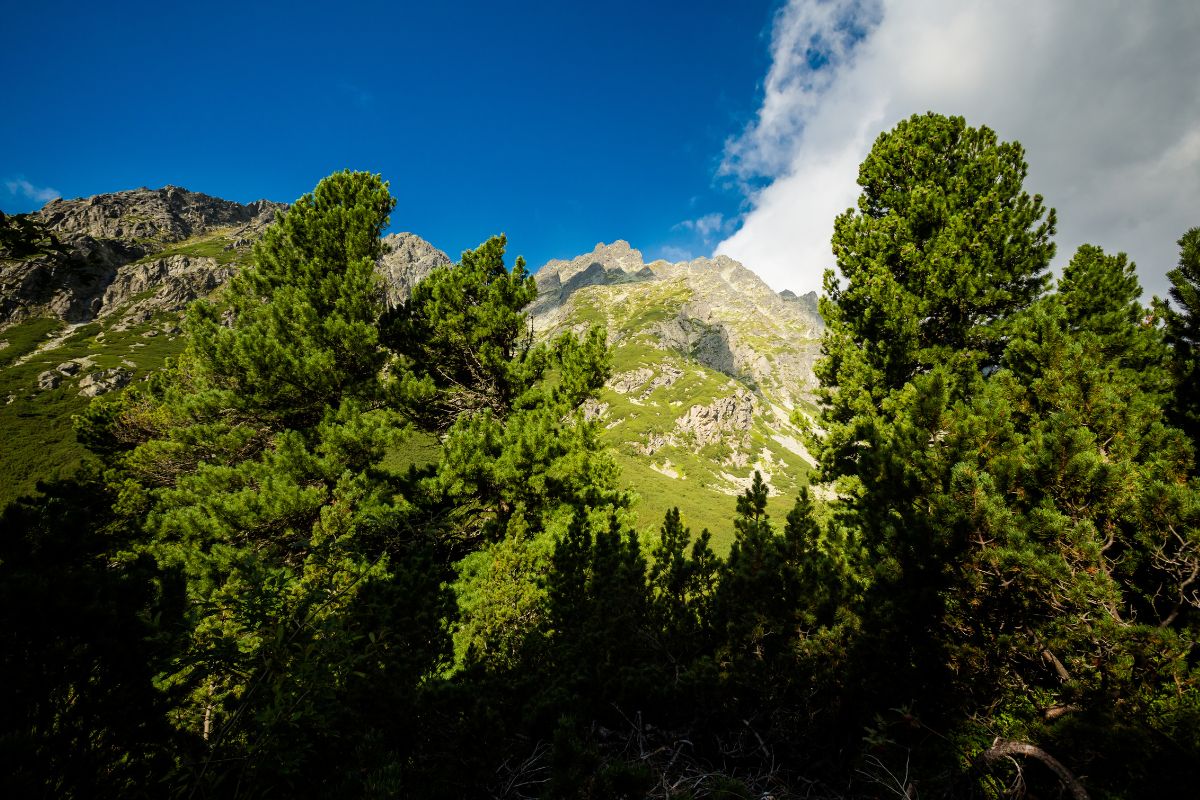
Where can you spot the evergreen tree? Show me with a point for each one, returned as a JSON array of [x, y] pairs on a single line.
[[22, 236], [84, 637], [943, 247], [256, 464], [1075, 494], [516, 450], [518, 459], [598, 601], [816, 583], [1183, 334], [757, 600], [682, 587], [1100, 293]]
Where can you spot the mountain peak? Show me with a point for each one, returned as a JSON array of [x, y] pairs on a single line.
[[166, 215], [406, 260], [617, 256]]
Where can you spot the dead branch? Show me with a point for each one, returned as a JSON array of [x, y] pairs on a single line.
[[1002, 750]]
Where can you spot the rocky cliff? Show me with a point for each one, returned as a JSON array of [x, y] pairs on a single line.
[[718, 312], [407, 259], [157, 248], [144, 252]]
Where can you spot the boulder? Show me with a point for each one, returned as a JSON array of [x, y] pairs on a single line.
[[104, 381]]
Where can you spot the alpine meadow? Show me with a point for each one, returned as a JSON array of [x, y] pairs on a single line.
[[294, 508]]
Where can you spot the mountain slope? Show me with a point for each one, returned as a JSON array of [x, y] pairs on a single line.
[[709, 363], [709, 366], [104, 309]]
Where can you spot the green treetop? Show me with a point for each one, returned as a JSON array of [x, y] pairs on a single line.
[[1101, 296], [1183, 334], [518, 461], [942, 248]]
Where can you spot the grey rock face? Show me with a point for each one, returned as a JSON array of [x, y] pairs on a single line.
[[165, 215], [628, 382], [607, 263], [645, 379], [654, 442], [50, 379], [105, 233], [665, 377], [170, 283], [68, 287], [594, 410], [406, 260], [733, 323], [807, 302], [709, 423], [98, 383], [111, 239]]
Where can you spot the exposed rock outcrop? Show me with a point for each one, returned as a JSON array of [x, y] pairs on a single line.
[[630, 381], [709, 423], [406, 260], [150, 216], [50, 379], [654, 442], [143, 289], [111, 264], [606, 264], [102, 236], [104, 381], [732, 322]]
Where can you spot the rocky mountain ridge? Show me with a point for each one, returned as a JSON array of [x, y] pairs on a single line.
[[710, 365], [160, 248], [154, 216], [728, 318], [144, 252]]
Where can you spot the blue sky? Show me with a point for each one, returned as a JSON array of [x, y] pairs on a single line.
[[686, 127], [561, 124]]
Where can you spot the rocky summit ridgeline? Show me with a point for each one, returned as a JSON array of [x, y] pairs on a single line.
[[139, 251], [727, 318], [149, 251]]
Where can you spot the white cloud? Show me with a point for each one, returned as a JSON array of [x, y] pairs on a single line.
[[20, 186], [1103, 95], [675, 254], [706, 226]]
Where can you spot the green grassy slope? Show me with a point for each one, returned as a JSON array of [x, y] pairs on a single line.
[[35, 425], [702, 481], [37, 440]]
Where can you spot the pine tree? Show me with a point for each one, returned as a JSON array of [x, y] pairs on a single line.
[[518, 459], [681, 586], [1074, 491], [1183, 334], [22, 236], [943, 248], [1101, 295], [598, 603], [255, 462], [753, 608], [84, 637], [516, 449], [815, 579]]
